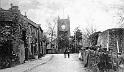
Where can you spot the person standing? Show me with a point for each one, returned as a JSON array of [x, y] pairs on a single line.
[[65, 53], [68, 53]]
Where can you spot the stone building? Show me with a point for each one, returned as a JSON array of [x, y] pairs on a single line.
[[93, 39], [19, 35], [41, 42], [52, 47], [63, 34], [112, 39]]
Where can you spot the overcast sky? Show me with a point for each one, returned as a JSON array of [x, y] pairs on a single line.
[[101, 14]]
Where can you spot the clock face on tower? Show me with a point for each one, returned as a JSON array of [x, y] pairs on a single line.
[[63, 27]]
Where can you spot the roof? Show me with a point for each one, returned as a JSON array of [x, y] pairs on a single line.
[[94, 35], [40, 28], [29, 21], [8, 14], [114, 29]]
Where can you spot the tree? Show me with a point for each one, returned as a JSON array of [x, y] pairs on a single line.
[[52, 29], [71, 44], [77, 38], [78, 35], [63, 42], [120, 17], [86, 34], [44, 38]]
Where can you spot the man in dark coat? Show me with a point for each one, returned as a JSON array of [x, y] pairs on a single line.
[[65, 53], [68, 53]]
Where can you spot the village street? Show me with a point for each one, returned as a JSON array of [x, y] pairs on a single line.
[[50, 63], [61, 64]]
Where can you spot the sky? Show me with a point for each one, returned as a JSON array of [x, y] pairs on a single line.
[[99, 14]]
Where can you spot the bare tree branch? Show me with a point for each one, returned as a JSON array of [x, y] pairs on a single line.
[[52, 28], [86, 34]]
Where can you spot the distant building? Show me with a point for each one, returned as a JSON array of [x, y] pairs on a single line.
[[63, 34], [52, 47]]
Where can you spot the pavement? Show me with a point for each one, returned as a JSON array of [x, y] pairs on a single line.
[[28, 66], [50, 63], [60, 64]]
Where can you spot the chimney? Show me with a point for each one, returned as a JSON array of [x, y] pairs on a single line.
[[68, 17], [25, 14], [11, 5], [14, 8]]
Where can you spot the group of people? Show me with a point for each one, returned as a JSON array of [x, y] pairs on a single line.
[[66, 51]]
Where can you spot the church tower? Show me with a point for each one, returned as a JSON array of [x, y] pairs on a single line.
[[63, 34]]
